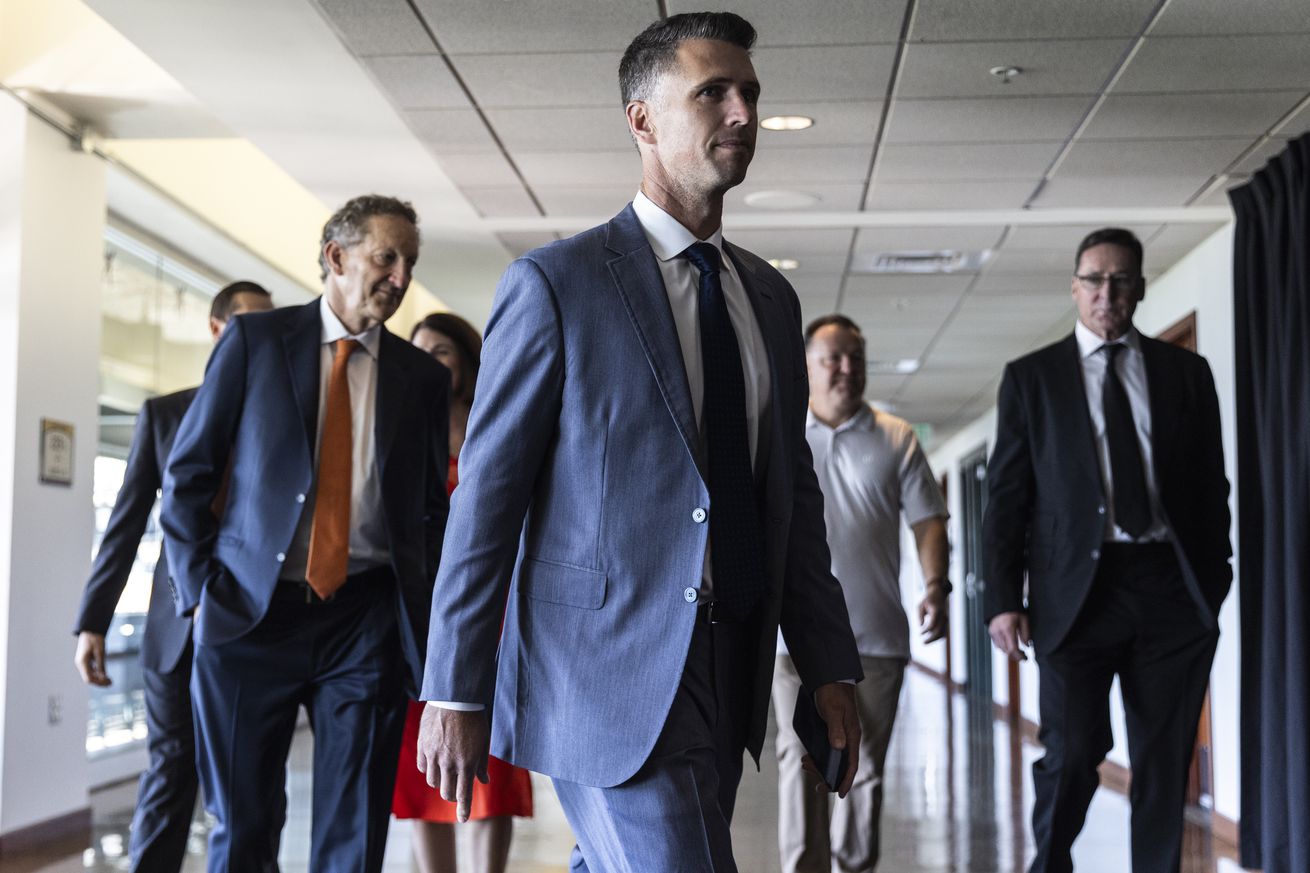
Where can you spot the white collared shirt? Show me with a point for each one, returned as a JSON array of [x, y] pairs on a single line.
[[669, 239], [368, 534], [1132, 372]]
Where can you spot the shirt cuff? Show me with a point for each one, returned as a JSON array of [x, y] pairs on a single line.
[[456, 706]]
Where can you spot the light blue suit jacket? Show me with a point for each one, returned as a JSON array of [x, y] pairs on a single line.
[[578, 481]]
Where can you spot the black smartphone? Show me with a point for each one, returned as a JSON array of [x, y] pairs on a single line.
[[813, 731]]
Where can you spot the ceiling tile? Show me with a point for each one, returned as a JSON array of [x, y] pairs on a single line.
[[1218, 63], [1009, 260], [1160, 116], [785, 22], [874, 240], [501, 202], [456, 130], [1227, 17], [561, 129], [377, 27], [543, 169], [518, 243], [851, 122], [793, 167], [1112, 191], [534, 80], [951, 20], [478, 169], [1062, 237], [1181, 236], [793, 243], [1049, 68], [833, 197], [950, 195], [833, 72], [584, 201], [994, 119], [1219, 196], [564, 26], [986, 162], [417, 81], [1297, 123], [1259, 156], [1153, 157], [913, 288], [1057, 282]]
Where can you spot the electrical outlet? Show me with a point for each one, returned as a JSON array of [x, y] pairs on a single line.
[[54, 710]]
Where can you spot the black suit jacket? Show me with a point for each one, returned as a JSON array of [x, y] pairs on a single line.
[[1046, 503], [257, 415], [166, 634]]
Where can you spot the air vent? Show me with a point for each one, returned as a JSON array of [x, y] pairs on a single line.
[[919, 262]]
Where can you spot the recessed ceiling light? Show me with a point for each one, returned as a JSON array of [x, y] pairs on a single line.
[[1006, 72], [784, 263], [787, 122], [780, 199]]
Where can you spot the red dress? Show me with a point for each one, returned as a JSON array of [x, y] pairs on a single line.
[[509, 791]]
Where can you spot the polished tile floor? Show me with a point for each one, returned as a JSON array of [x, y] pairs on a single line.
[[958, 797]]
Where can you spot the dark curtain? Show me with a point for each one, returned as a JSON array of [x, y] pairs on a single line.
[[1271, 299]]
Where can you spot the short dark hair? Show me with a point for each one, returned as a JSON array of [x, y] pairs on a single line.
[[349, 224], [651, 54], [226, 299], [1115, 236], [839, 320], [467, 341]]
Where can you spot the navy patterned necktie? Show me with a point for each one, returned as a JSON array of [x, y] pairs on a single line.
[[1132, 506], [736, 538]]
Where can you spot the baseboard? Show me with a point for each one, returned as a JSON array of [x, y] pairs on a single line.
[[74, 826]]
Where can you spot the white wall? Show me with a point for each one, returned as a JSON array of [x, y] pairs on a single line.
[[1202, 281], [52, 213]]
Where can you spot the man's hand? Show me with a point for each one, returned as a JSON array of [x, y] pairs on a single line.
[[836, 704], [1009, 633], [90, 658], [452, 750], [934, 614]]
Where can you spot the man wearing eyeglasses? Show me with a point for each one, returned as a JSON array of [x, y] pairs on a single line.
[[1106, 488]]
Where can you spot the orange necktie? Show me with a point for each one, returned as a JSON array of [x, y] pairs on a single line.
[[329, 537]]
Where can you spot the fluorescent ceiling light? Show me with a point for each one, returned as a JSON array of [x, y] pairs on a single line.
[[787, 122], [781, 199], [784, 263]]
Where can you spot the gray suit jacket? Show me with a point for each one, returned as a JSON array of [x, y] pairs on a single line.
[[578, 482]]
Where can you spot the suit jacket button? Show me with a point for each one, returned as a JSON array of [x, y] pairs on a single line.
[[1101, 509], [300, 498], [691, 595], [1096, 554], [281, 556], [698, 515]]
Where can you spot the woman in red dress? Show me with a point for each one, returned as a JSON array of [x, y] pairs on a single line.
[[456, 344]]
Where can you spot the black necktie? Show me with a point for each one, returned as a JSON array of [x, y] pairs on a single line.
[[736, 540], [1132, 507]]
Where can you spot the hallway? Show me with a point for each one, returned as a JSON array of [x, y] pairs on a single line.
[[958, 797]]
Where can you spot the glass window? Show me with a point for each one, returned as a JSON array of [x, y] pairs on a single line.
[[154, 340]]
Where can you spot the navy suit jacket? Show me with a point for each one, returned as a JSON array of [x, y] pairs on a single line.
[[579, 482], [257, 414], [166, 633], [1046, 500]]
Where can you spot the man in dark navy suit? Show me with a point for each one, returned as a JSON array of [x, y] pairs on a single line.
[[314, 588], [1106, 489], [167, 795]]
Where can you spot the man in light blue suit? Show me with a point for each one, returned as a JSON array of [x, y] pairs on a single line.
[[637, 483]]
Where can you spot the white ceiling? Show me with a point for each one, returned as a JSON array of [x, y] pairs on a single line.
[[504, 118]]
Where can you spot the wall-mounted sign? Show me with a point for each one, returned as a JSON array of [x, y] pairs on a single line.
[[56, 452]]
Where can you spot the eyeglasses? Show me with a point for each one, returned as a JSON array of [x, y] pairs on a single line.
[[1093, 281]]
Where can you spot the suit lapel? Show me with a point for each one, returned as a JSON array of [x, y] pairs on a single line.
[[1069, 403], [1158, 389], [641, 286], [302, 344], [392, 385]]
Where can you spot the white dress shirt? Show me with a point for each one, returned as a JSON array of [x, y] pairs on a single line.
[[1132, 372], [368, 534]]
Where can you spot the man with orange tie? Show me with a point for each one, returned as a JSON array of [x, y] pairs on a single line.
[[314, 588]]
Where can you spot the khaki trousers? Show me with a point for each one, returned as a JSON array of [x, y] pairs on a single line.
[[812, 836]]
